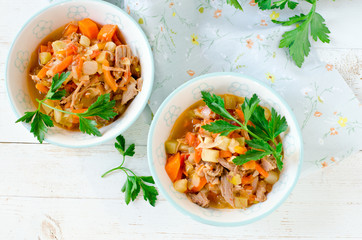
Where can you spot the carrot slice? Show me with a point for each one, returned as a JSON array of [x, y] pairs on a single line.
[[173, 166], [88, 28], [116, 40], [198, 152], [43, 48], [202, 183], [106, 33], [190, 138], [261, 170], [43, 71], [240, 149], [225, 154], [108, 77], [41, 88], [62, 65], [249, 165], [247, 179], [76, 118], [240, 114], [69, 29]]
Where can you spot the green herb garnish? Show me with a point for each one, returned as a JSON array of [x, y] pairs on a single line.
[[297, 40], [264, 132], [134, 183], [40, 122]]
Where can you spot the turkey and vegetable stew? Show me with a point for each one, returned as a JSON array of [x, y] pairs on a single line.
[[97, 62], [225, 151]]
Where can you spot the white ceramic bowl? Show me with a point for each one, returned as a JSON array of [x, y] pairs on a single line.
[[221, 83], [53, 17]]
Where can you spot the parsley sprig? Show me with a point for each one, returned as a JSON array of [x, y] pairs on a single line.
[[40, 122], [134, 183], [263, 133], [297, 40]]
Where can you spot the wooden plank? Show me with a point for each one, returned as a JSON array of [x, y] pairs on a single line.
[[65, 185]]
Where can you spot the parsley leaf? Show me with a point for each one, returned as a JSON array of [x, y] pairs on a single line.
[[249, 156], [39, 125], [297, 40], [318, 28], [277, 125], [220, 126], [134, 183], [262, 132], [27, 117], [264, 4], [57, 82], [130, 150], [249, 106], [282, 3], [88, 126], [103, 108], [234, 3], [217, 105]]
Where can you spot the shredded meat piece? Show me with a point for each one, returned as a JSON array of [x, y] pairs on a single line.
[[268, 163], [226, 164], [200, 199], [254, 184], [260, 192], [130, 93], [75, 93], [226, 189], [212, 172]]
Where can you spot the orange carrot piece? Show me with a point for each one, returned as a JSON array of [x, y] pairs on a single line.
[[108, 77], [106, 33], [42, 73], [88, 28], [50, 47], [42, 88], [43, 48], [249, 165], [62, 65], [190, 138], [198, 152], [247, 179], [225, 154], [240, 114], [179, 175], [76, 118], [173, 166], [202, 183], [69, 29], [116, 40], [261, 170]]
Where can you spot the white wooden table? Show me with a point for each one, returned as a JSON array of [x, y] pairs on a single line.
[[49, 192]]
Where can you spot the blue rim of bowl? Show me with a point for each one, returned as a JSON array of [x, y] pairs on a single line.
[[158, 182], [135, 116]]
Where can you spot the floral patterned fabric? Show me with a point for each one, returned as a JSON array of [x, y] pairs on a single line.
[[193, 37]]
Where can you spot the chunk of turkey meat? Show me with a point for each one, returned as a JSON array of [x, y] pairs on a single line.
[[268, 163], [200, 199], [260, 192], [226, 188], [131, 91]]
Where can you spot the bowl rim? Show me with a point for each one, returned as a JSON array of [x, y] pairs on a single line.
[[133, 117], [158, 182]]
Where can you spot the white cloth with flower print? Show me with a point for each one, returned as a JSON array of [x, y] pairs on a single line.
[[193, 37]]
